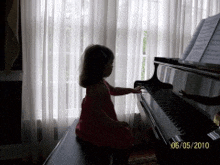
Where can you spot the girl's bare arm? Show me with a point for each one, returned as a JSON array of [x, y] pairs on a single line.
[[116, 91]]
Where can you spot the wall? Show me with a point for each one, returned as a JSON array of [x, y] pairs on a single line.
[[10, 73]]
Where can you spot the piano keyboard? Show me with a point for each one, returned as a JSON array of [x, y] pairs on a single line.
[[176, 116], [166, 125]]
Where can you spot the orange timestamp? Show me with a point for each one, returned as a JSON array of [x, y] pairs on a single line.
[[189, 145]]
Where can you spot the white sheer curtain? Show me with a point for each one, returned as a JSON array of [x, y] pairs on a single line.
[[169, 25], [153, 28], [54, 35]]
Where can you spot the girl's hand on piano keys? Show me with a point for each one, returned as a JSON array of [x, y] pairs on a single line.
[[184, 94], [137, 89]]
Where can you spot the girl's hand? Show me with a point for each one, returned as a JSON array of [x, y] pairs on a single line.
[[137, 89], [183, 93]]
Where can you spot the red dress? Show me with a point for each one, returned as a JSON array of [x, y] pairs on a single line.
[[92, 130]]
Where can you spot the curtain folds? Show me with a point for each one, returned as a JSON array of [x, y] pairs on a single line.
[[54, 35], [169, 25]]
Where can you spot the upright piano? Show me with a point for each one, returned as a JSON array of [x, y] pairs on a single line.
[[184, 129]]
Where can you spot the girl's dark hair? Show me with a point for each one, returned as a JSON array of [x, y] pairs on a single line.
[[92, 69]]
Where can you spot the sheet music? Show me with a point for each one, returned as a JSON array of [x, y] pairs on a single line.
[[203, 39], [212, 53], [193, 40]]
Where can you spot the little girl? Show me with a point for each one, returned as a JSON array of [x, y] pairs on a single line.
[[98, 124]]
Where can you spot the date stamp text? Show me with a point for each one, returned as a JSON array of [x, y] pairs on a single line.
[[190, 145]]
